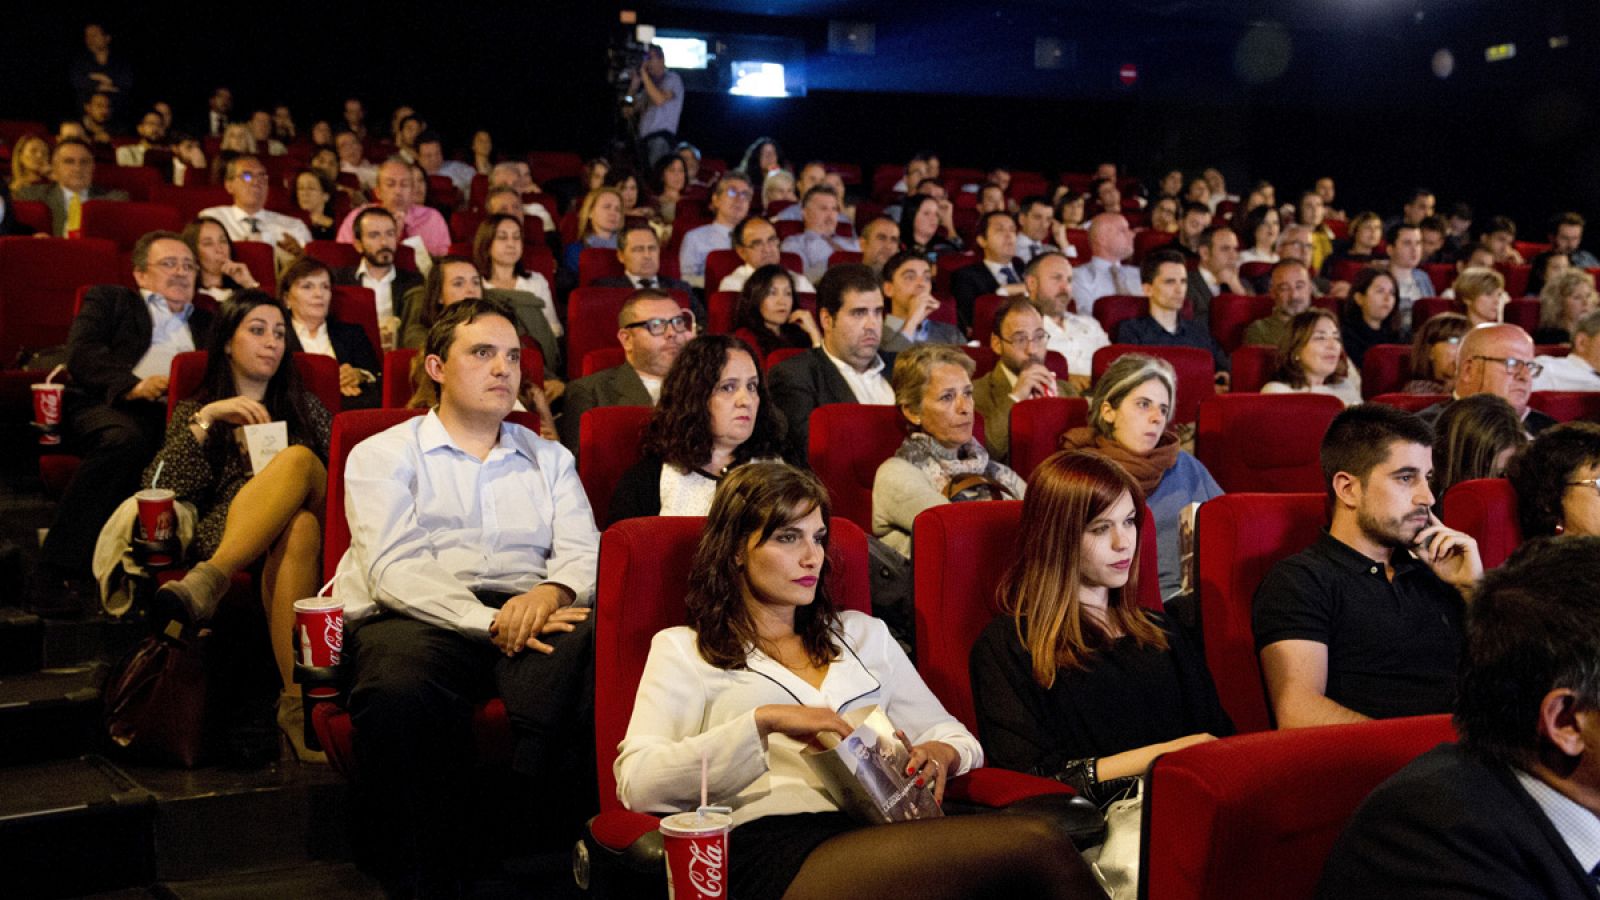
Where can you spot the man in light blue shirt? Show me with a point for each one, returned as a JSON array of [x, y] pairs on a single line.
[[819, 209], [662, 104], [730, 202]]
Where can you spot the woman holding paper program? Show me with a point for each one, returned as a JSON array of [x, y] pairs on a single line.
[[244, 516], [767, 665], [1078, 683]]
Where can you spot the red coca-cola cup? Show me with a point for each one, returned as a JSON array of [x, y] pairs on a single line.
[[319, 621], [697, 855], [47, 411], [158, 521]]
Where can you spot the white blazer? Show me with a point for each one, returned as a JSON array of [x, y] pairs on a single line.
[[686, 707]]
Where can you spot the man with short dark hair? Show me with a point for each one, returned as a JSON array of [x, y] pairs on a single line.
[[260, 125], [376, 238], [819, 210], [1513, 808], [1366, 623], [847, 368], [1578, 370], [1435, 241], [755, 240], [1166, 285], [639, 251], [71, 185], [1218, 272], [450, 599], [909, 302], [1290, 285], [151, 131], [1418, 206], [430, 155], [96, 119], [661, 105], [353, 160], [812, 174], [119, 354], [1193, 220], [1405, 255], [1566, 236], [1020, 343], [652, 329], [1498, 360], [996, 273], [880, 239], [1034, 218], [1076, 337], [248, 219]]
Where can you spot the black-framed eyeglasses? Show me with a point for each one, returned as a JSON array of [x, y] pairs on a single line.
[[1515, 367], [658, 326]]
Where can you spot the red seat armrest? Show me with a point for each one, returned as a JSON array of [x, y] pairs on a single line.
[[997, 788]]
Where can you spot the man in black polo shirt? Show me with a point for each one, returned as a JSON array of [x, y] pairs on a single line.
[[1367, 622]]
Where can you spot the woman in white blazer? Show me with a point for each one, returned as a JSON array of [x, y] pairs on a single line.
[[767, 664]]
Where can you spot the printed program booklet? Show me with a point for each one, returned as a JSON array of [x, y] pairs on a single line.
[[865, 773]]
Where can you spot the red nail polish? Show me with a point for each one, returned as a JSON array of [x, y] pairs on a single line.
[[919, 782], [911, 770]]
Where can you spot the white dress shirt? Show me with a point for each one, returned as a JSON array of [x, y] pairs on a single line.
[[697, 245], [1100, 277], [687, 709], [318, 343], [734, 281], [1566, 373], [1028, 248], [268, 228], [652, 386], [430, 523], [815, 249], [869, 387], [1579, 827], [169, 336], [1076, 338], [382, 289], [366, 173], [998, 271]]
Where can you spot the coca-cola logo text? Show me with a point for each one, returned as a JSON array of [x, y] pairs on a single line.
[[705, 867]]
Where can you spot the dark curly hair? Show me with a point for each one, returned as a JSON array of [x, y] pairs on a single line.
[[1539, 474], [754, 501], [679, 430]]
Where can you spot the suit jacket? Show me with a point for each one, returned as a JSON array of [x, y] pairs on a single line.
[[108, 338], [802, 383], [50, 195], [1535, 421], [970, 283], [404, 280], [1200, 296], [938, 333], [991, 397], [1450, 825], [616, 386]]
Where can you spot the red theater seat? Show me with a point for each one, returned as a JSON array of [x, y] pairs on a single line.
[[1252, 367], [397, 386], [125, 223], [608, 446], [843, 257], [1195, 367], [983, 310], [719, 265], [1037, 426], [189, 200], [39, 279], [592, 321], [358, 306], [1516, 278], [1257, 815], [1385, 369], [595, 263], [1486, 508], [1427, 307], [1409, 402], [1567, 406], [846, 444], [335, 255], [1265, 442], [1441, 274], [1522, 312], [1239, 537], [137, 181], [1231, 314], [319, 374], [258, 257], [1111, 311], [33, 214]]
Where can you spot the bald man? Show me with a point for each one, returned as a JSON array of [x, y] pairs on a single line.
[[1110, 244], [1498, 360]]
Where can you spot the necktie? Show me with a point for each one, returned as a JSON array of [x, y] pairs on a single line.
[[1008, 275], [255, 230], [647, 282], [74, 215]]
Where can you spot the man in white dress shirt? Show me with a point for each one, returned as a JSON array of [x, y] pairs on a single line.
[[1076, 337], [470, 574], [1110, 243], [755, 240], [1579, 370], [352, 159], [730, 202], [248, 219], [1034, 218], [819, 210]]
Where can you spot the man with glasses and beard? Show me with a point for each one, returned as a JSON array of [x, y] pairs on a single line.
[[1366, 623], [652, 329]]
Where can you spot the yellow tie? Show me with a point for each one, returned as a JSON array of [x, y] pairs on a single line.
[[74, 215]]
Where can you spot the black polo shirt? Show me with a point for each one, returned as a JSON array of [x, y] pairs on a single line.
[[1392, 645]]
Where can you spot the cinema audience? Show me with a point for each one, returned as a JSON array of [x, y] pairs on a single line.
[[1555, 482], [1311, 359]]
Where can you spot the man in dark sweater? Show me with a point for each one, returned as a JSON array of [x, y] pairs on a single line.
[[1166, 282]]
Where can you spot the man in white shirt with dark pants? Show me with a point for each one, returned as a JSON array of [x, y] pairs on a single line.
[[470, 574]]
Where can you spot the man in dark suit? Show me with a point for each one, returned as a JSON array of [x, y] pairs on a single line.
[[847, 368], [1513, 809], [119, 352], [376, 237], [996, 273], [71, 186], [1019, 342], [640, 252], [651, 328], [1499, 360]]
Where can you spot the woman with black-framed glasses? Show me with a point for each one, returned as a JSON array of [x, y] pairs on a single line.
[[1557, 480]]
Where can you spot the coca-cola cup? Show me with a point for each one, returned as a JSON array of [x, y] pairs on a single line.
[[319, 621], [158, 522], [697, 855], [47, 411]]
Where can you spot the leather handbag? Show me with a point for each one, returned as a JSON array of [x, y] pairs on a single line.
[[155, 700]]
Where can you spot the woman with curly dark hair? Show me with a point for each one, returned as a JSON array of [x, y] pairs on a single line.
[[714, 415], [1557, 480], [765, 666], [766, 316]]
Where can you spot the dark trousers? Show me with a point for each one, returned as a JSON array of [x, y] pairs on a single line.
[[412, 693], [115, 443]]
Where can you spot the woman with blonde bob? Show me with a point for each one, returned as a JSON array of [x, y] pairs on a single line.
[[1564, 300], [1483, 293], [600, 220], [1075, 681], [766, 665]]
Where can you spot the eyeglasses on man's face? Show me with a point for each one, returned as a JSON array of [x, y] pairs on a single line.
[[658, 326], [1516, 367]]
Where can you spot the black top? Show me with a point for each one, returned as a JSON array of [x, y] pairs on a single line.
[[1191, 333], [1129, 697], [1392, 645], [1533, 420], [1359, 337], [637, 492], [1552, 336], [1452, 825]]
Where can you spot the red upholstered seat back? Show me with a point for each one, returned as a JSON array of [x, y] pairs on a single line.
[[1265, 442], [39, 281], [1567, 406], [1427, 307], [1194, 366], [259, 258], [608, 445], [397, 386], [358, 306], [1256, 815], [960, 552], [721, 307], [1037, 425], [1409, 402], [847, 442], [598, 262], [1385, 369], [644, 574], [318, 374], [1252, 367], [1486, 508], [983, 310], [1231, 314], [335, 255], [137, 181], [1111, 311], [189, 199], [126, 222], [592, 321], [719, 265], [1240, 537]]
